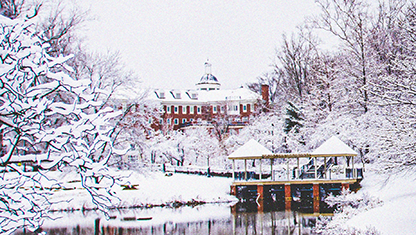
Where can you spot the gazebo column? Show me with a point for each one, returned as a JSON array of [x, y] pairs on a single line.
[[245, 169], [233, 169], [271, 168], [345, 166], [288, 170], [261, 170], [297, 159], [352, 167]]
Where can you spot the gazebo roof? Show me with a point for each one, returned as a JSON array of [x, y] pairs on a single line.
[[250, 150], [334, 147]]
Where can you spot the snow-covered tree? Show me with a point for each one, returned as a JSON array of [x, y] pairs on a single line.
[[196, 146], [350, 22], [49, 119]]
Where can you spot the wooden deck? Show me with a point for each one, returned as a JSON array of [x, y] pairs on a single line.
[[304, 181]]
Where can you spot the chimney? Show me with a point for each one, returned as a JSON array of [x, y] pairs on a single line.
[[265, 95]]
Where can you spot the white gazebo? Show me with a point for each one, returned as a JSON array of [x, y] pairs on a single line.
[[332, 148]]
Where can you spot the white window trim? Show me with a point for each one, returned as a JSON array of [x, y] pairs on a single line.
[[244, 108], [191, 109], [184, 109], [198, 109], [176, 109], [214, 109], [183, 120], [176, 121], [168, 109]]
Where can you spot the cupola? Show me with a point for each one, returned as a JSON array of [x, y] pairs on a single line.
[[208, 82]]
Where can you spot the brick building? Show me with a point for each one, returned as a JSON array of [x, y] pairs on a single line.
[[207, 105]]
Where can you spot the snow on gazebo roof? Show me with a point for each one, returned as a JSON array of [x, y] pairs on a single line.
[[334, 147], [250, 150]]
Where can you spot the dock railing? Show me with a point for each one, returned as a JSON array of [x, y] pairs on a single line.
[[318, 167]]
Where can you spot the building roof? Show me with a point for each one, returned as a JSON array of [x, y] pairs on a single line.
[[206, 91], [198, 96]]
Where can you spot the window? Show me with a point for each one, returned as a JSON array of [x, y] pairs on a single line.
[[183, 120], [244, 108], [191, 109], [150, 120], [175, 121], [222, 109], [183, 109], [252, 108], [214, 109], [191, 120], [235, 108], [162, 95], [169, 121], [161, 121], [198, 110], [168, 109], [175, 109]]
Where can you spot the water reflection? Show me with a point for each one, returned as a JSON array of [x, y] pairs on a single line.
[[274, 222], [205, 219]]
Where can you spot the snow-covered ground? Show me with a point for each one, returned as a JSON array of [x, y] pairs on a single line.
[[397, 214], [384, 205], [154, 188]]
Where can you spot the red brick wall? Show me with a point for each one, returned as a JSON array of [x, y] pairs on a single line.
[[207, 114]]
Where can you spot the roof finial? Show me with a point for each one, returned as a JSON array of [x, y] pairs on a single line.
[[207, 67]]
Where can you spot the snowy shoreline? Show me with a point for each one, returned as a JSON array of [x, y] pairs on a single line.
[[154, 189]]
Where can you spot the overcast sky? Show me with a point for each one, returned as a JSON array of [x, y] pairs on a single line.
[[167, 42]]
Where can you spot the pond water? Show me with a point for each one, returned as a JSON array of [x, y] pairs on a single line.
[[203, 219]]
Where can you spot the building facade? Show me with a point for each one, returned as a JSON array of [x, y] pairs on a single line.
[[207, 105]]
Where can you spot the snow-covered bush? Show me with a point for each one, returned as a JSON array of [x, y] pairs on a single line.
[[50, 120], [348, 205]]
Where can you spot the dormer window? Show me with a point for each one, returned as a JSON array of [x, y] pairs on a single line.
[[160, 94], [176, 94]]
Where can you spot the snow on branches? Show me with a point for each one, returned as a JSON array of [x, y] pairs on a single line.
[[48, 121]]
